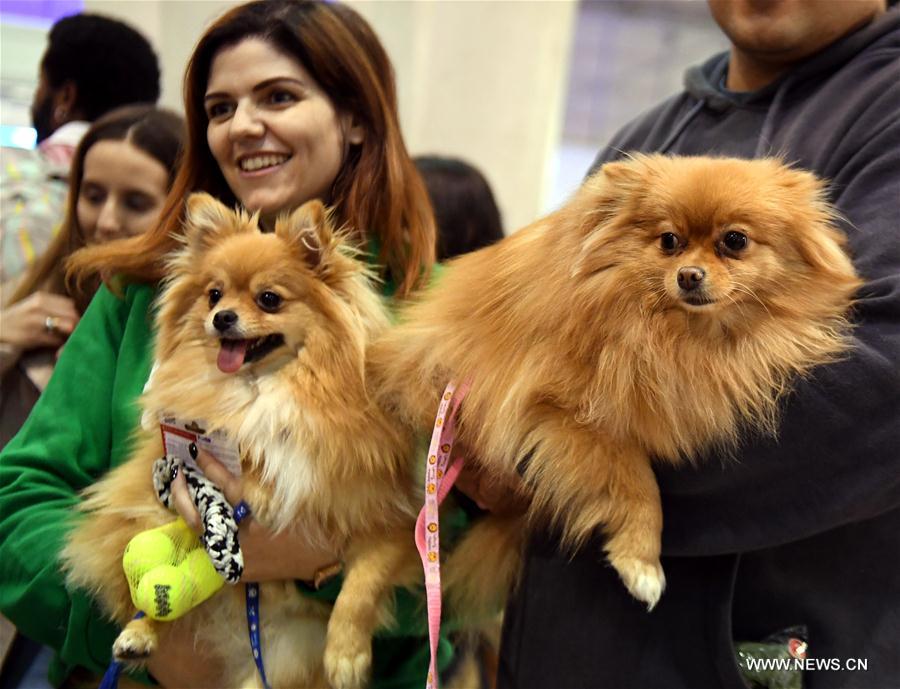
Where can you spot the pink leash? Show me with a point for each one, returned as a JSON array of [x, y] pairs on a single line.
[[439, 479]]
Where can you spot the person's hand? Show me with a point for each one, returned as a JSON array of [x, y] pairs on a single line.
[[267, 556], [40, 320], [498, 495]]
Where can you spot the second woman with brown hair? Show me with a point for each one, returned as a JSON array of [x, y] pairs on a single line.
[[121, 172]]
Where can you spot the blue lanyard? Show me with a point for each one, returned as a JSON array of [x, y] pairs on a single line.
[[241, 512], [253, 628], [111, 676]]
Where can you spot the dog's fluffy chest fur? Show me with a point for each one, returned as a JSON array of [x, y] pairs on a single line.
[[263, 416]]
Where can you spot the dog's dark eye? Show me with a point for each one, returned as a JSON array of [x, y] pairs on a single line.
[[214, 296], [668, 242], [268, 301], [735, 241]]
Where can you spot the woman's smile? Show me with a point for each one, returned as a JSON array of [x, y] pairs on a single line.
[[261, 163]]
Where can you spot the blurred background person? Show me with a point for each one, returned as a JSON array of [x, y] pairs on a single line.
[[121, 173], [465, 211], [92, 65]]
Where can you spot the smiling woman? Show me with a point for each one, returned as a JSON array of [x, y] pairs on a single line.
[[288, 101]]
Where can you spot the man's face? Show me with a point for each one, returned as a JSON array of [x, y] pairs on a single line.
[[784, 31], [42, 108]]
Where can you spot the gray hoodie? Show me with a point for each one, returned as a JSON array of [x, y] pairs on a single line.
[[802, 530]]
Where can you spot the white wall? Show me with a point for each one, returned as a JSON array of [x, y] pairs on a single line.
[[21, 48], [485, 81]]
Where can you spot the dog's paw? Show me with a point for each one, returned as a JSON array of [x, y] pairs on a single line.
[[643, 579], [348, 661], [134, 645]]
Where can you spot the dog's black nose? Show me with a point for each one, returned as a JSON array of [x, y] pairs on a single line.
[[690, 277], [223, 320]]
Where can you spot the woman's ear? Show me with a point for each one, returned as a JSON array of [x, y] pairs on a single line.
[[354, 131]]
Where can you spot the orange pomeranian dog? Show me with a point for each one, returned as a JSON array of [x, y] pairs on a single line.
[[662, 311], [263, 336]]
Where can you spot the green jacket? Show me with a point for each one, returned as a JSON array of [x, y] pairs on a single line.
[[79, 429]]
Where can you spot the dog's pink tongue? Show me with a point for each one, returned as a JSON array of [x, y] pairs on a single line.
[[231, 355]]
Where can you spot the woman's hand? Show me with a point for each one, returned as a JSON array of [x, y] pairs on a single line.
[[40, 320], [267, 556]]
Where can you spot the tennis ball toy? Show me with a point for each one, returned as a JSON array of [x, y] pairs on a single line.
[[165, 593], [199, 569], [146, 551]]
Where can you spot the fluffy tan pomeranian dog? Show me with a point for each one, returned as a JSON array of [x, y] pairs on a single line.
[[264, 336], [662, 311]]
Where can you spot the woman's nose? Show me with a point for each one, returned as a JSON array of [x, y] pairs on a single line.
[[246, 121], [109, 224]]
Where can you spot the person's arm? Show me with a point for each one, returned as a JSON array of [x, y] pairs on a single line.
[[64, 446], [836, 458]]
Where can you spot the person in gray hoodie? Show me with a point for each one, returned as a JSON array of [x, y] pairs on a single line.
[[800, 532]]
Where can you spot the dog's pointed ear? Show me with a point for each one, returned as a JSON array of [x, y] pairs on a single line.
[[601, 199], [308, 229], [622, 173], [206, 218], [822, 244]]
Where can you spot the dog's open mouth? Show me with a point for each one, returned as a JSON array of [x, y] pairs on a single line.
[[235, 353]]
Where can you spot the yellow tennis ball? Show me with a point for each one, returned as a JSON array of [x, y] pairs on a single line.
[[164, 593], [199, 568], [182, 536], [145, 551]]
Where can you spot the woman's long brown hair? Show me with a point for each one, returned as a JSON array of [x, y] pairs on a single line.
[[378, 192]]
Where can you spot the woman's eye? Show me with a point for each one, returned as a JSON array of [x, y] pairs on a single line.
[[215, 111], [93, 195], [281, 97], [668, 242], [268, 301], [214, 296], [735, 241], [139, 203]]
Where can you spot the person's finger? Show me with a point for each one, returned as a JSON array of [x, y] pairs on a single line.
[[181, 499], [64, 325], [48, 327], [216, 472], [42, 337], [61, 312]]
